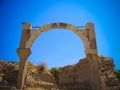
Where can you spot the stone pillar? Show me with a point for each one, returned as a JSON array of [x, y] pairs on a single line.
[[26, 34], [23, 55], [92, 57], [23, 52]]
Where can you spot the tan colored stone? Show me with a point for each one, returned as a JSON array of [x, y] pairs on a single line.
[[89, 41]]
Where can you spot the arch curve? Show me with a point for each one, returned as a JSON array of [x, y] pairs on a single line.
[[82, 34]]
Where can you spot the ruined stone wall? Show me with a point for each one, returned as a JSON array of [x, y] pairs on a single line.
[[71, 77], [74, 73], [106, 63], [110, 78], [8, 73], [75, 77]]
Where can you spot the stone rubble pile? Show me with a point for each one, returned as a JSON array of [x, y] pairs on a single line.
[[69, 77], [110, 78]]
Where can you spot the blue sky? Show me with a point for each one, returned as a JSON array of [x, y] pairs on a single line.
[[59, 47]]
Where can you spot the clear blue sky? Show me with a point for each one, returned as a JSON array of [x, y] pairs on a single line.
[[59, 47]]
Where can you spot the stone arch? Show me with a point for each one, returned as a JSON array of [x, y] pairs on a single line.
[[82, 34], [87, 35]]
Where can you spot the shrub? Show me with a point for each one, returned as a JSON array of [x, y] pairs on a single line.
[[42, 66], [55, 71]]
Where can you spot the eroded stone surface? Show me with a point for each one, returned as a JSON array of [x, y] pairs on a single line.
[[69, 77]]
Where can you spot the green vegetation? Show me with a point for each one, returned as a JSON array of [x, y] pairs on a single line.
[[55, 72]]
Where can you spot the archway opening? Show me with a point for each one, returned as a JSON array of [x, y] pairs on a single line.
[[57, 47]]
